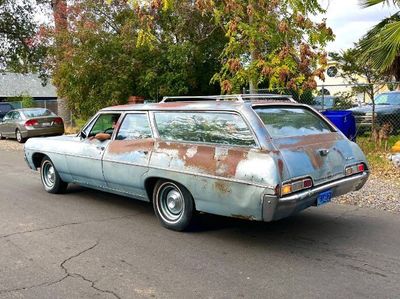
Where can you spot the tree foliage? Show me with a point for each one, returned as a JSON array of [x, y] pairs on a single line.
[[99, 63], [380, 47], [20, 48], [270, 42]]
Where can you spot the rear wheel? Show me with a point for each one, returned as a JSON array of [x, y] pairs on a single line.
[[1, 136], [19, 137], [50, 178], [173, 205]]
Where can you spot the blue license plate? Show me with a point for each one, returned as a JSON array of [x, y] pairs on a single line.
[[324, 197]]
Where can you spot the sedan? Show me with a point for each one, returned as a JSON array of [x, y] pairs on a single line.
[[22, 124]]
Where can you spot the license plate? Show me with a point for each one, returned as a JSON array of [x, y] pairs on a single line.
[[46, 124], [324, 197]]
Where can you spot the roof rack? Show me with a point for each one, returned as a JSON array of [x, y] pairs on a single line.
[[231, 97]]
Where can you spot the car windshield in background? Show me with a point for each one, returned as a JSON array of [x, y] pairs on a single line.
[[37, 113], [326, 101], [388, 99], [291, 121], [5, 108]]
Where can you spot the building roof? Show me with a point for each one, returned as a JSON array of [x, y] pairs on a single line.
[[14, 85]]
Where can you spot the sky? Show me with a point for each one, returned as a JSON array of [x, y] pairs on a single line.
[[349, 21]]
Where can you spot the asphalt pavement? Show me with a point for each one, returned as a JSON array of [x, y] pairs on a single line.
[[90, 244]]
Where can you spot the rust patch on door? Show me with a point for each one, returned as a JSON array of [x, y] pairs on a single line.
[[126, 146]]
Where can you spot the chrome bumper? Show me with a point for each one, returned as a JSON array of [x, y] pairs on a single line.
[[275, 208]]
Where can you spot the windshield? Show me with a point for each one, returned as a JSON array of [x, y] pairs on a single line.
[[388, 99], [5, 108], [38, 113], [327, 101], [291, 121]]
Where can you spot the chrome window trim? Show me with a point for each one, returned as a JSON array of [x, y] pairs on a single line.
[[255, 138]]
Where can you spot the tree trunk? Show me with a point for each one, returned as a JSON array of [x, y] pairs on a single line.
[[61, 25]]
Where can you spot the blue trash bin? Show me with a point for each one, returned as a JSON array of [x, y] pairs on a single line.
[[344, 120]]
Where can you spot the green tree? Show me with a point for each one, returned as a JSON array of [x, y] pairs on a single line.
[[268, 42], [381, 45], [20, 46], [96, 62]]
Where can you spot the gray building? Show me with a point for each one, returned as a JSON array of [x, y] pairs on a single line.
[[13, 85]]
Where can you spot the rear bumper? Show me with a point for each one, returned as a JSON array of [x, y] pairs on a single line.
[[275, 208], [43, 132]]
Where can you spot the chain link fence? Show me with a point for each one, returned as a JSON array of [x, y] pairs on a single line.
[[52, 105]]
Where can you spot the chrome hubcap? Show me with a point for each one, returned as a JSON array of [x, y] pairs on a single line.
[[48, 174], [18, 135], [171, 202]]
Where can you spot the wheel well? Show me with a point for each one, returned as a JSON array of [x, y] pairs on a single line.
[[37, 159], [151, 182], [149, 185]]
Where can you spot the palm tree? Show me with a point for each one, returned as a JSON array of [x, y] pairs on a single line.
[[381, 45]]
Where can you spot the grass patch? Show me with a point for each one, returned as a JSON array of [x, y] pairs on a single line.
[[377, 156]]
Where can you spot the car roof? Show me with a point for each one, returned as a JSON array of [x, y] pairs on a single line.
[[198, 105]]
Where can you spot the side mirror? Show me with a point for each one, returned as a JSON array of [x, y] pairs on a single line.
[[82, 135]]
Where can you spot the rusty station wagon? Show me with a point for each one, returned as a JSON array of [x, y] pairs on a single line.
[[252, 157]]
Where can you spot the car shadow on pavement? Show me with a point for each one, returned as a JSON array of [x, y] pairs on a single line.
[[310, 226]]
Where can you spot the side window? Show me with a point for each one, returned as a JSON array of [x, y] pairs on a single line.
[[16, 116], [105, 123], [134, 126], [208, 127], [8, 116]]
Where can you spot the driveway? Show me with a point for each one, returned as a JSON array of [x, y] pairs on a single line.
[[89, 244]]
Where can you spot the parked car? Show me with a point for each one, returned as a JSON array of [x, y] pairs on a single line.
[[22, 124], [4, 108], [258, 160], [322, 103], [387, 110]]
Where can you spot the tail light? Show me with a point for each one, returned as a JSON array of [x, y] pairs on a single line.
[[31, 123], [296, 186], [355, 169], [58, 121]]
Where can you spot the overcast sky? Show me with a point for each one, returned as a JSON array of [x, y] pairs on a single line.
[[349, 21]]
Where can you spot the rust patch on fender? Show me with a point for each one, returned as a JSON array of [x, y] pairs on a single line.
[[222, 187], [126, 146], [213, 160]]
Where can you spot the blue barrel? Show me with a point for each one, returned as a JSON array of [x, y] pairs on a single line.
[[344, 120]]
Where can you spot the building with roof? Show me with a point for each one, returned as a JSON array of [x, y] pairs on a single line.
[[14, 85]]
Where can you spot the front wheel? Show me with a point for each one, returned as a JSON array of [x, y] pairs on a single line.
[[173, 205], [50, 178]]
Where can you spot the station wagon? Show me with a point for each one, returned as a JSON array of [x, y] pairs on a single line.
[[252, 157]]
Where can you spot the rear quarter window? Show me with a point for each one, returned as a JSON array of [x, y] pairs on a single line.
[[206, 127], [291, 121]]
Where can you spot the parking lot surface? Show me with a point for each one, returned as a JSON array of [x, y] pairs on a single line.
[[90, 244]]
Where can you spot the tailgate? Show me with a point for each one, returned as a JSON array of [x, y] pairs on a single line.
[[322, 157]]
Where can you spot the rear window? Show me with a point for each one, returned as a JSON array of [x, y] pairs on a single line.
[[291, 121], [38, 113], [207, 127]]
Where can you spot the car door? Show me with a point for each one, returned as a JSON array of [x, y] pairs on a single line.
[[84, 154], [126, 158]]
